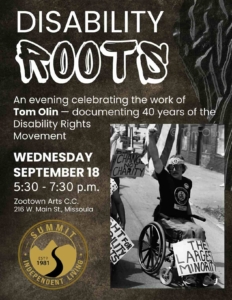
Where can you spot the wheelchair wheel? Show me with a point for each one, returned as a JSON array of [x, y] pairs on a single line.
[[165, 276], [152, 248]]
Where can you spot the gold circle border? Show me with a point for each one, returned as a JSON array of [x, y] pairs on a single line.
[[19, 256]]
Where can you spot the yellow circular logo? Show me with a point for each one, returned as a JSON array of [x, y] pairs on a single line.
[[53, 254]]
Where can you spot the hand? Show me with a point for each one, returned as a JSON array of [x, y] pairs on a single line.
[[123, 226], [153, 134], [115, 136], [152, 129]]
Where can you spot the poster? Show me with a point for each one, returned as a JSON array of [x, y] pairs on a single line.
[[196, 257], [127, 164], [120, 243], [69, 70]]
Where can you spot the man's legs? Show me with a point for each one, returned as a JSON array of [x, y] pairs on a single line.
[[177, 228], [187, 229], [198, 231]]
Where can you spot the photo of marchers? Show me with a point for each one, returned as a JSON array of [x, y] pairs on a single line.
[[167, 206]]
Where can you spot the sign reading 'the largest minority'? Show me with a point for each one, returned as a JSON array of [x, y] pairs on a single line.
[[193, 256]]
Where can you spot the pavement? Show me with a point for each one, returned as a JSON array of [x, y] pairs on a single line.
[[140, 198], [208, 192], [207, 189]]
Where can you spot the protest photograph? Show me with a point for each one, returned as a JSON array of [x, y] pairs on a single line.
[[167, 206]]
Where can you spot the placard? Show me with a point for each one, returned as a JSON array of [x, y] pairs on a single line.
[[193, 256], [128, 164], [120, 243]]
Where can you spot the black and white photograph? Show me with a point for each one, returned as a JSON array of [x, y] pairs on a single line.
[[167, 197]]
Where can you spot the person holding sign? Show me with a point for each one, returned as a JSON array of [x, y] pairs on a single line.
[[118, 218], [175, 193], [116, 205]]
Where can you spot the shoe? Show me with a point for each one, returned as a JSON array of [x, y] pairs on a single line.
[[208, 281], [190, 280]]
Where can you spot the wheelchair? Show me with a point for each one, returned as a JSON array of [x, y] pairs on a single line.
[[155, 248]]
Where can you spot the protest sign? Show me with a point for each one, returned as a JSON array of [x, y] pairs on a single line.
[[120, 243], [127, 164], [192, 257]]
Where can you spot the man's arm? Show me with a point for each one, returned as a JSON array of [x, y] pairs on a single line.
[[153, 151], [189, 210]]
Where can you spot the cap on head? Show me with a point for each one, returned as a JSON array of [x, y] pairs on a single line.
[[176, 160]]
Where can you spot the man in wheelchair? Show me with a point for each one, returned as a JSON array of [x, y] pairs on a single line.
[[175, 193]]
